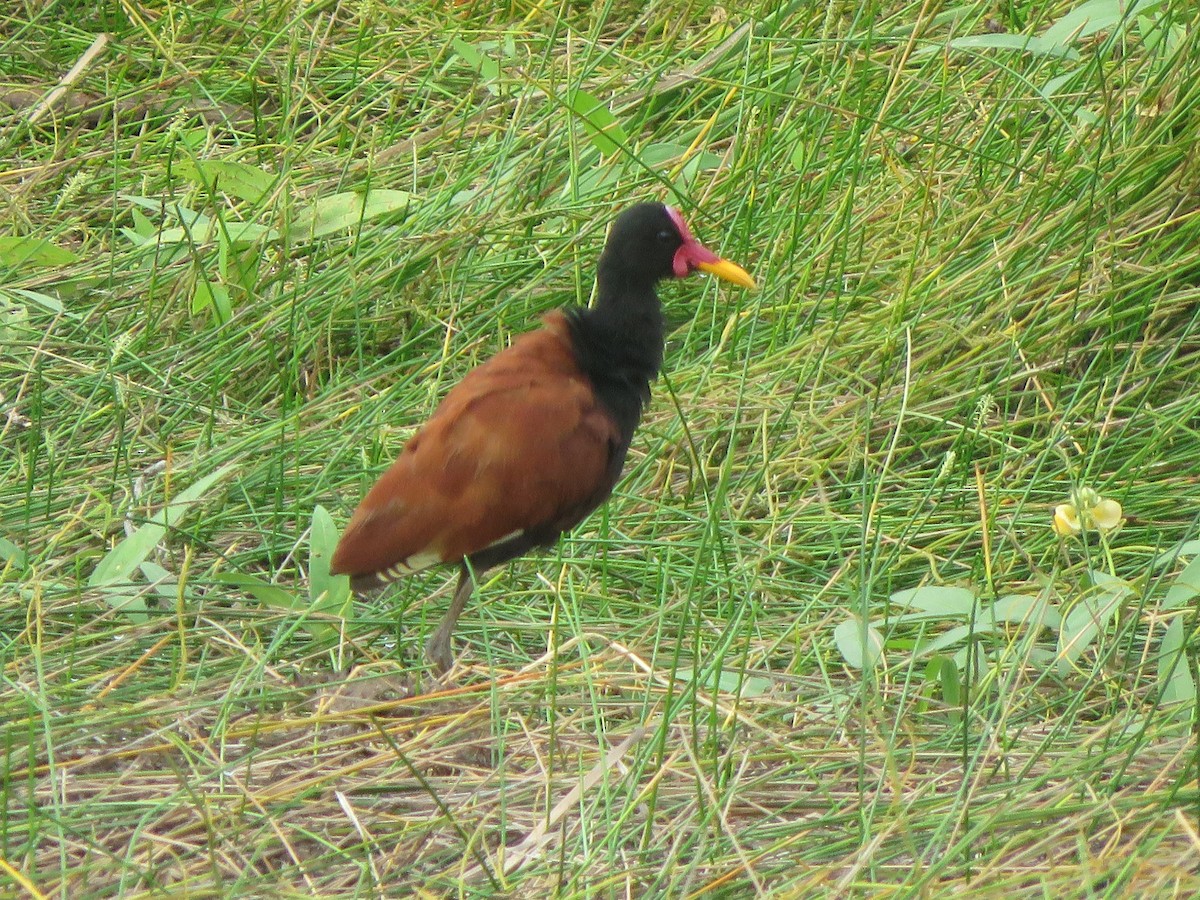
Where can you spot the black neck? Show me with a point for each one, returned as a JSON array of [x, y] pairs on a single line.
[[619, 344]]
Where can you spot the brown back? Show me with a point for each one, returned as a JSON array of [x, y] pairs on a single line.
[[521, 443]]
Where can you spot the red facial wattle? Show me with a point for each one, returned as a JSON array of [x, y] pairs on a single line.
[[691, 252], [693, 255]]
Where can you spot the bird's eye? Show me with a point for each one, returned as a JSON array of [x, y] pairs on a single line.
[[665, 237]]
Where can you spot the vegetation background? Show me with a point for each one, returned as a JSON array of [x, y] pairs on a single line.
[[823, 641]]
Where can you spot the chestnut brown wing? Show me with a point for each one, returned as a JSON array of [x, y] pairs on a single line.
[[521, 444]]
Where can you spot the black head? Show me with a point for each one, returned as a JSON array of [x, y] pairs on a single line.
[[650, 241], [641, 245], [619, 341]]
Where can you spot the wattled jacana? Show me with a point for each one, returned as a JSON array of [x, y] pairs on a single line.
[[533, 440]]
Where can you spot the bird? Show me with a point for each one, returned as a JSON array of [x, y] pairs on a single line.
[[533, 440]]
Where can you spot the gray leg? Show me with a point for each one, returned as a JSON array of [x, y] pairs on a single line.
[[437, 650]]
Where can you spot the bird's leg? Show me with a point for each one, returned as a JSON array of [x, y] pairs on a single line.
[[437, 650]]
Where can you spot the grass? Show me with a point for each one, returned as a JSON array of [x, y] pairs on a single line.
[[980, 275]]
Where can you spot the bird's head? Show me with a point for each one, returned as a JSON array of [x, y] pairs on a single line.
[[650, 241]]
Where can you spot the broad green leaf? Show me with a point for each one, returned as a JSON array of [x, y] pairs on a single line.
[[208, 294], [1186, 586], [799, 155], [210, 231], [477, 59], [654, 155], [194, 227], [14, 318], [659, 154], [914, 618], [1095, 15], [903, 28], [1055, 85], [592, 181], [194, 138], [329, 593], [1174, 668], [970, 655], [322, 542], [141, 225], [734, 682], [1040, 657], [1089, 617], [756, 686], [1150, 32], [947, 601], [281, 599], [1038, 46], [692, 168], [1022, 609], [202, 298], [603, 129], [185, 215], [244, 232], [346, 211], [861, 646], [239, 265], [134, 238], [166, 585], [120, 562], [933, 668], [128, 599], [950, 682], [11, 553], [263, 591], [48, 303], [237, 179], [156, 574], [953, 636], [17, 252], [743, 685], [1169, 557], [1157, 32]]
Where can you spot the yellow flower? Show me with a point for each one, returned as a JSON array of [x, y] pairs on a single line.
[[1086, 509], [1106, 515], [1066, 520]]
